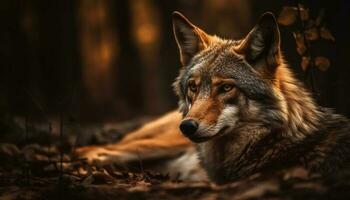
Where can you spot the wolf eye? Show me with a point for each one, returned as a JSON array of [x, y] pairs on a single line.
[[227, 87], [192, 87]]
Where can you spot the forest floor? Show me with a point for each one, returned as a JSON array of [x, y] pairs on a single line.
[[37, 165]]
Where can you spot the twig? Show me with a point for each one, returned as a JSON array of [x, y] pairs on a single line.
[[26, 134], [309, 70], [61, 149], [145, 175], [75, 144], [140, 161], [49, 145]]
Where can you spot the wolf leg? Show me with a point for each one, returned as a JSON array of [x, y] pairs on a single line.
[[177, 155], [160, 138], [164, 146]]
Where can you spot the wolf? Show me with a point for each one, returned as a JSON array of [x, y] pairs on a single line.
[[241, 111]]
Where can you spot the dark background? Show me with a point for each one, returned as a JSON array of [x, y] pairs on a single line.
[[104, 60]]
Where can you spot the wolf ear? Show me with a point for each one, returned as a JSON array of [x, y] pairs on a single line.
[[262, 43], [189, 38]]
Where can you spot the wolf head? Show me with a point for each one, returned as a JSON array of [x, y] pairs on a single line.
[[225, 83]]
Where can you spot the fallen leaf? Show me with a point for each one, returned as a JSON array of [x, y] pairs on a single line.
[[9, 196], [322, 63], [102, 177], [143, 183], [114, 173], [81, 171], [287, 16], [297, 172], [29, 154], [9, 149], [68, 179], [311, 34], [88, 180], [326, 34], [141, 186], [31, 147], [314, 186], [39, 157], [304, 12], [51, 167], [305, 62], [257, 191]]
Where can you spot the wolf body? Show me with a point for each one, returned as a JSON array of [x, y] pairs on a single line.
[[241, 111]]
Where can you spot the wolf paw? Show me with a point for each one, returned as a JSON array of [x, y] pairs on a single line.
[[102, 155]]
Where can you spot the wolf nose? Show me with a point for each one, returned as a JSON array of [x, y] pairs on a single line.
[[188, 126]]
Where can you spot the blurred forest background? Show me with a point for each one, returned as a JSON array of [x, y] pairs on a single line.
[[105, 60]]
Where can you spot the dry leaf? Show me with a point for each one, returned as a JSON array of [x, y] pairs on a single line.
[[304, 13], [82, 171], [49, 168], [313, 186], [322, 63], [326, 34], [88, 180], [305, 62], [287, 16], [39, 157], [141, 186], [257, 191], [143, 183], [29, 154], [296, 172], [299, 39], [102, 177], [311, 34], [9, 149]]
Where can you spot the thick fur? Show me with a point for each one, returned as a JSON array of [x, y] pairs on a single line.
[[265, 120]]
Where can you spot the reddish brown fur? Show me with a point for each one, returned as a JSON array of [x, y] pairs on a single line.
[[302, 133]]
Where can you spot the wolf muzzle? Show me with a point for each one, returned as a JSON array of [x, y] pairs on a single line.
[[189, 127]]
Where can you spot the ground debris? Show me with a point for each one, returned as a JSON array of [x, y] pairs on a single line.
[[38, 171]]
